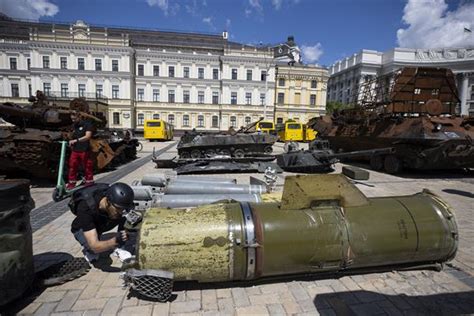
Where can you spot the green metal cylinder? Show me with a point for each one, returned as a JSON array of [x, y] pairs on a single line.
[[239, 241]]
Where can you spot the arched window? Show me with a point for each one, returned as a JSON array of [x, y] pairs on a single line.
[[200, 121], [171, 119], [185, 120], [156, 116], [140, 119], [233, 121]]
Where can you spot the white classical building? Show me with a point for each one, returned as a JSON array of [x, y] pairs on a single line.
[[192, 80], [348, 74]]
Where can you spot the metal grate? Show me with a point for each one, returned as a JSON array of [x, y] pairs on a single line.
[[64, 271], [154, 284]]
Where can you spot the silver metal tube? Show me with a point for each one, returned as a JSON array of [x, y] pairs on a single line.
[[158, 180], [155, 180], [191, 200], [220, 188], [205, 179], [144, 192]]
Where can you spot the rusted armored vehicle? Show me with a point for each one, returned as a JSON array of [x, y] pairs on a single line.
[[32, 146], [413, 112], [239, 144]]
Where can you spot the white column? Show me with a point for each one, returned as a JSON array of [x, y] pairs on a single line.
[[463, 94]]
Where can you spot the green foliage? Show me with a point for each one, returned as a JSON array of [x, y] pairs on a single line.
[[334, 105]]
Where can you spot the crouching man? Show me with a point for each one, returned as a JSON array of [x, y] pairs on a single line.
[[98, 209]]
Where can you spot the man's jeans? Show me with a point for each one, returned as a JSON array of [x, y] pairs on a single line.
[[86, 250]]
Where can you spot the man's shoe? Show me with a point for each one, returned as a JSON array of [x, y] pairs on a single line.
[[90, 257], [122, 254], [89, 183]]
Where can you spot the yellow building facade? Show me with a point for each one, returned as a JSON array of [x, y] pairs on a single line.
[[300, 92]]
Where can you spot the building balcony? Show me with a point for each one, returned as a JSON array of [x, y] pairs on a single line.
[[65, 96]]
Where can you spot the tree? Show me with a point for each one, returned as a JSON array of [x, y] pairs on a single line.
[[335, 105]]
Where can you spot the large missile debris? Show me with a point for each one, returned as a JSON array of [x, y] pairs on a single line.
[[322, 224], [413, 112]]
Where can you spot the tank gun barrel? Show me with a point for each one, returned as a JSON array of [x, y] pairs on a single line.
[[362, 153]]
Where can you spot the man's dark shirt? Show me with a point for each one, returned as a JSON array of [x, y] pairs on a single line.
[[80, 130], [88, 219]]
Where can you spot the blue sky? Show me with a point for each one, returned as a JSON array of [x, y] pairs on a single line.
[[326, 30]]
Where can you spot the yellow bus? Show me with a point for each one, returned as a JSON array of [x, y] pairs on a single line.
[[295, 131], [265, 127], [157, 130]]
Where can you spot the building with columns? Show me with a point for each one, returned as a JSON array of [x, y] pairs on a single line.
[[348, 74]]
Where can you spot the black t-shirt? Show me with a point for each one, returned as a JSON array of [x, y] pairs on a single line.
[[88, 219], [80, 130]]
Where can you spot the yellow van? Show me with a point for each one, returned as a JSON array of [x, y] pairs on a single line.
[[295, 131], [265, 127], [158, 130]]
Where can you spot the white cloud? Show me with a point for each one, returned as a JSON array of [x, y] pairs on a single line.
[[311, 54], [431, 25], [208, 21], [255, 6], [28, 9], [227, 24], [165, 6], [277, 4]]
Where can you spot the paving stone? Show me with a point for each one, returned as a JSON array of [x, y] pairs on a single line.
[[253, 290], [307, 305], [291, 307], [50, 296], [349, 283], [315, 290], [94, 312], [90, 291], [30, 309], [68, 300], [180, 296], [136, 310], [240, 297], [276, 309], [110, 292], [185, 307], [67, 314], [161, 309], [94, 303], [252, 310], [273, 288], [193, 295], [209, 300], [298, 291], [45, 309], [130, 301], [263, 299], [225, 305], [112, 306], [366, 309], [223, 293]]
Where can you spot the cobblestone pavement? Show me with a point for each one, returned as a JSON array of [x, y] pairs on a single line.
[[409, 292]]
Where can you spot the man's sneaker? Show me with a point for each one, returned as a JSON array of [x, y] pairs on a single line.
[[89, 183], [90, 257], [122, 254]]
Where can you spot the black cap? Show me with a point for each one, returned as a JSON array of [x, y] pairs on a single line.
[[120, 195]]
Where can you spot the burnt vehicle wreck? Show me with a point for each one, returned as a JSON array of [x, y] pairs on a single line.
[[246, 241], [413, 112]]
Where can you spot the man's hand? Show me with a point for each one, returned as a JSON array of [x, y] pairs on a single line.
[[72, 142], [121, 237]]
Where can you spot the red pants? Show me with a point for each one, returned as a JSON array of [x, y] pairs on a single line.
[[76, 159]]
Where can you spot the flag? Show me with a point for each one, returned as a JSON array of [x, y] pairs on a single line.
[[467, 30]]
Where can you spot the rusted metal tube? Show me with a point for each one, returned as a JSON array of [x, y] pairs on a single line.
[[302, 234]]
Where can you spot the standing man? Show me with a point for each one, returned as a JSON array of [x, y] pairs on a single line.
[[80, 150], [98, 209]]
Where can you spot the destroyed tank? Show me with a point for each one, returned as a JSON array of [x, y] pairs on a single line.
[[412, 111], [31, 145], [238, 144]]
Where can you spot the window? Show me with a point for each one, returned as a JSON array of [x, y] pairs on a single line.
[[248, 119], [185, 120], [13, 63], [417, 91], [186, 96], [281, 98], [141, 70], [116, 118], [262, 98], [298, 98], [233, 121], [279, 120], [171, 96], [201, 97], [98, 90], [281, 82], [171, 71], [156, 71], [186, 72], [201, 73], [15, 91], [46, 62], [140, 119], [28, 63], [215, 97], [115, 92], [64, 90], [80, 64], [249, 74], [98, 64], [233, 98], [263, 75], [47, 88], [215, 121], [156, 116], [215, 74], [314, 84], [156, 95], [312, 99], [200, 121], [81, 89], [171, 119], [115, 65], [234, 74], [63, 61], [140, 94], [29, 90], [248, 97]]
